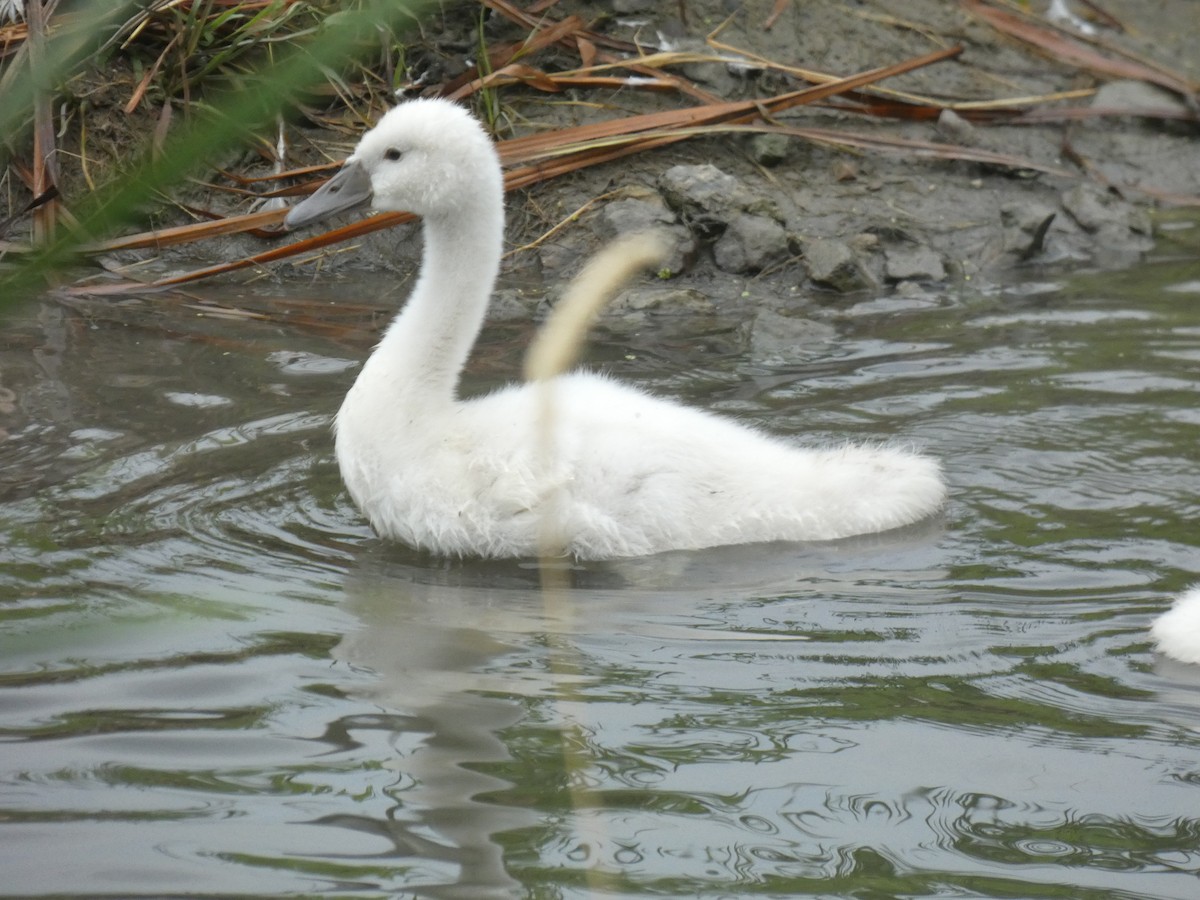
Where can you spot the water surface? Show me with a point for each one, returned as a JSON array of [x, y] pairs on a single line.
[[215, 681]]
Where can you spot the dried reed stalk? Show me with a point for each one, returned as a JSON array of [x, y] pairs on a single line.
[[1115, 62], [44, 168]]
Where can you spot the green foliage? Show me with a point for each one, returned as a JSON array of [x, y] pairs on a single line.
[[489, 102], [238, 67], [207, 42]]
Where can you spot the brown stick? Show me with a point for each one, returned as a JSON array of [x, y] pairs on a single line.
[[45, 167]]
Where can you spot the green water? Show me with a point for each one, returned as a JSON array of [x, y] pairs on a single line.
[[214, 681]]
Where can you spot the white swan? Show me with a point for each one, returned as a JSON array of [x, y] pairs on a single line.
[[1176, 632], [632, 474]]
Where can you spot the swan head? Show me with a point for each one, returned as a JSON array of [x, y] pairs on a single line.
[[429, 156]]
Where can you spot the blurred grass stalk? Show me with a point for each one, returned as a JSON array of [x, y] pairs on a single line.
[[60, 46]]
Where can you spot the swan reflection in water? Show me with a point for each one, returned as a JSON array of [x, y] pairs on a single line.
[[462, 650]]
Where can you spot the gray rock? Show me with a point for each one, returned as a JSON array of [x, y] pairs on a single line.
[[633, 215], [703, 191], [750, 244], [1136, 96], [834, 265], [707, 198], [1096, 210], [769, 149], [630, 216], [1114, 227], [774, 336], [864, 242], [1030, 229], [1025, 215], [724, 71], [913, 264], [1091, 207], [512, 303], [954, 127], [653, 298], [682, 252], [713, 74], [558, 256]]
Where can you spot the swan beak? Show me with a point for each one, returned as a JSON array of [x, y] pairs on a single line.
[[350, 187]]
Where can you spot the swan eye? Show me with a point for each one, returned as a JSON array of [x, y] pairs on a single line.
[[392, 154]]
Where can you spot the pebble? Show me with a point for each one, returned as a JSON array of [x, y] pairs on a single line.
[[769, 148], [954, 127]]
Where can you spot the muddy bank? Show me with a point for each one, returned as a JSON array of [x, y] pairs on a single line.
[[780, 216]]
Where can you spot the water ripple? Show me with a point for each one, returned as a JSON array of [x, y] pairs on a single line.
[[211, 673]]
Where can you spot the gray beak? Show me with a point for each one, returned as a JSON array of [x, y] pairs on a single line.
[[350, 187]]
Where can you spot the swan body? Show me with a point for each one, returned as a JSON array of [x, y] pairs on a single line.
[[631, 474], [1176, 632]]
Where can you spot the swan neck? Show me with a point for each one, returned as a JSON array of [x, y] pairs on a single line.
[[432, 336]]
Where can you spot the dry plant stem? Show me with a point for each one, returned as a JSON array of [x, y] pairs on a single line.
[[1104, 16], [502, 57], [538, 146], [562, 223], [554, 350], [45, 176], [776, 11], [906, 104], [550, 155], [592, 38], [556, 347], [557, 344], [148, 77], [183, 234], [567, 32], [1071, 51]]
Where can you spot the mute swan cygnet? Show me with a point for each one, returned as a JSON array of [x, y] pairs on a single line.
[[632, 474], [1176, 632]]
